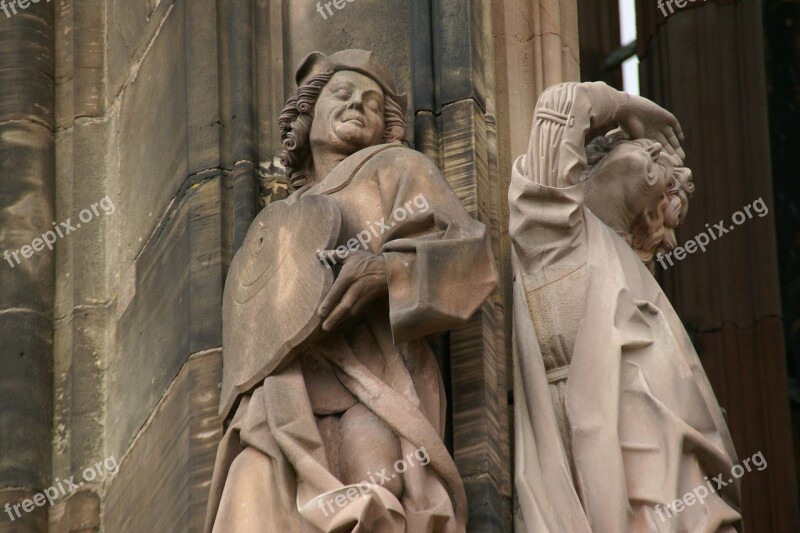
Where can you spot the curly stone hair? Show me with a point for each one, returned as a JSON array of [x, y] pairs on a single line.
[[654, 231], [295, 123]]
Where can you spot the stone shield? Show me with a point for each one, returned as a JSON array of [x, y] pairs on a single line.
[[275, 285]]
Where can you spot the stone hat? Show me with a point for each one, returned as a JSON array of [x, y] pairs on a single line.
[[361, 61]]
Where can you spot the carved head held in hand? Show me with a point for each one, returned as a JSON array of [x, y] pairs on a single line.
[[345, 102], [639, 190]]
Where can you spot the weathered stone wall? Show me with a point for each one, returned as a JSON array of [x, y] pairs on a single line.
[[139, 290], [110, 347], [169, 108]]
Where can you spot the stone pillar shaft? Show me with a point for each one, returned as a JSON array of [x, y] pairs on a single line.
[[26, 276], [705, 63]]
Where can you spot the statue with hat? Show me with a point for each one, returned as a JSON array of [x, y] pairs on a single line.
[[334, 402]]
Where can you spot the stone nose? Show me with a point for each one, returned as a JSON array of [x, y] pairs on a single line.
[[655, 150], [356, 101]]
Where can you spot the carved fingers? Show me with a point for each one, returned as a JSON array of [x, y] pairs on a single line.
[[641, 118], [361, 280]]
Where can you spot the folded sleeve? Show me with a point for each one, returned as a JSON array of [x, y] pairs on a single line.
[[564, 114], [546, 196], [439, 261]]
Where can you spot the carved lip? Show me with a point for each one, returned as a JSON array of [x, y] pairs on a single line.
[[354, 118]]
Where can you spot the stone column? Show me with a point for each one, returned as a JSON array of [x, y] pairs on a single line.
[[535, 44], [238, 41], [27, 192], [706, 64], [456, 100], [598, 21]]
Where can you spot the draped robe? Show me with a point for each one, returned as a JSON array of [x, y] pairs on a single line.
[[274, 465], [614, 414]]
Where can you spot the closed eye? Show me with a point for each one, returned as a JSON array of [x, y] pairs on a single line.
[[373, 103], [342, 92]]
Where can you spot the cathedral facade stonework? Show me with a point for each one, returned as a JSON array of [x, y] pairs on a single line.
[[161, 119]]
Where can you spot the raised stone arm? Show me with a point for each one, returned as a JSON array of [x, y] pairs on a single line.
[[566, 112]]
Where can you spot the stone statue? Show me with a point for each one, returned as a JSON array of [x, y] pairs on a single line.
[[335, 401], [615, 419]]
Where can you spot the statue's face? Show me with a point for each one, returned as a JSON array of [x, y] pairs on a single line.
[[637, 171], [348, 115]]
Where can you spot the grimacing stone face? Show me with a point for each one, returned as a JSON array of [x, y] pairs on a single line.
[[639, 171], [348, 115]]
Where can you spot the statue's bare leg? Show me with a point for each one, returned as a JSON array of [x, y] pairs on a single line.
[[329, 430], [368, 450]]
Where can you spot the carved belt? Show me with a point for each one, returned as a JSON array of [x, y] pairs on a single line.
[[557, 374], [554, 116]]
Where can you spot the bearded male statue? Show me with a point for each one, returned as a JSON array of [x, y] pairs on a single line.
[[615, 419], [337, 415]]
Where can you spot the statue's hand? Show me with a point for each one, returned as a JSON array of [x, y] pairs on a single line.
[[643, 119], [361, 280]]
